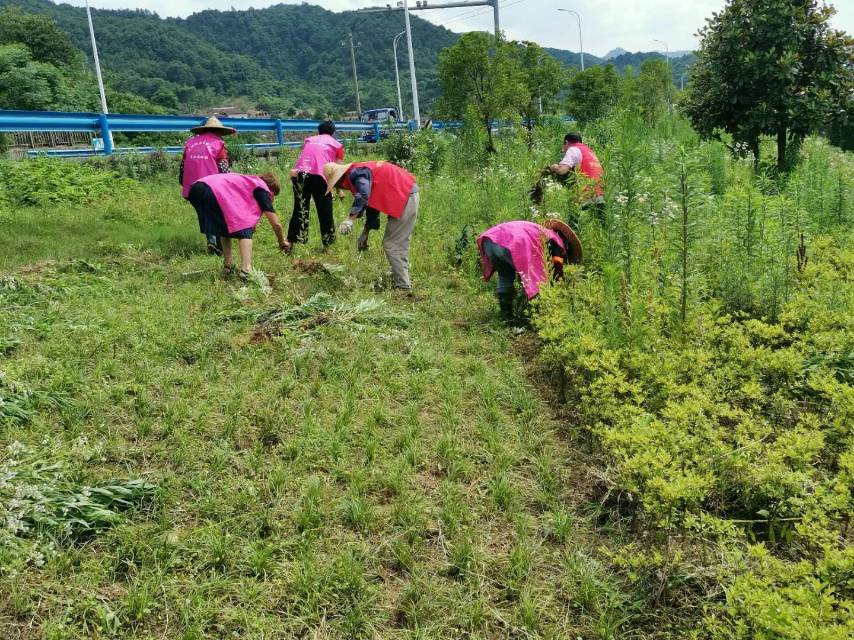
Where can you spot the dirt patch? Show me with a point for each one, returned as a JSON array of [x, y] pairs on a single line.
[[309, 267]]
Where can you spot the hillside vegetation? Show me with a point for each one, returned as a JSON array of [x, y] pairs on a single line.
[[285, 59]]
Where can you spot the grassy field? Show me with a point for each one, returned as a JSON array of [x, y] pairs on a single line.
[[373, 471], [666, 453]]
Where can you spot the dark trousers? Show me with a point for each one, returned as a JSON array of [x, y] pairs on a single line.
[[308, 186]]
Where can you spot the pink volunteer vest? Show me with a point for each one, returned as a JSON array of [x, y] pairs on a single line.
[[525, 242], [233, 193], [200, 154]]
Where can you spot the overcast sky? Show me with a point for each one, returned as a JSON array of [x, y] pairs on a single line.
[[605, 23]]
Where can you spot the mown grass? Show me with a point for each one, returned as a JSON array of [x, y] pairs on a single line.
[[326, 480]]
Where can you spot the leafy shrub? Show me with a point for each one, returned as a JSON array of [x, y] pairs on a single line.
[[139, 166], [416, 152], [44, 181], [738, 430]]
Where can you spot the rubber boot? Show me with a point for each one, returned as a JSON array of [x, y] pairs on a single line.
[[505, 303]]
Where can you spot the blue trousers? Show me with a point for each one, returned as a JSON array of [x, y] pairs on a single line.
[[503, 263]]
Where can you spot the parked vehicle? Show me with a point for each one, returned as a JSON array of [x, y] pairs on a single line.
[[385, 116]]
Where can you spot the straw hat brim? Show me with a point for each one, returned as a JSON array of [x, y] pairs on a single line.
[[573, 245], [213, 125], [333, 172], [223, 129]]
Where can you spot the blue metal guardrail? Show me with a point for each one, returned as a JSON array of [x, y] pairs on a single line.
[[98, 123]]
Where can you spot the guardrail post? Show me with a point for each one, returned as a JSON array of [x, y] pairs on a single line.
[[280, 133], [105, 134], [376, 132], [412, 126]]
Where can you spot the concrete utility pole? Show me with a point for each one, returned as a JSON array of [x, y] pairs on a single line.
[[353, 46], [580, 42], [97, 62], [400, 117], [416, 111], [423, 5]]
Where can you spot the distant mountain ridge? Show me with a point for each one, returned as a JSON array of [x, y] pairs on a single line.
[[284, 59], [614, 53]]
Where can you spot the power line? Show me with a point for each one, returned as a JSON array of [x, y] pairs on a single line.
[[475, 13]]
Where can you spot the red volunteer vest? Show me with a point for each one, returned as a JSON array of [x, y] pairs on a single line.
[[390, 186], [591, 167]]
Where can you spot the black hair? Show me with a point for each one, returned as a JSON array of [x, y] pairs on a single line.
[[327, 127], [573, 138]]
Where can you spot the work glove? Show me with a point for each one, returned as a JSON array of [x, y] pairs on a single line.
[[345, 227], [362, 242]]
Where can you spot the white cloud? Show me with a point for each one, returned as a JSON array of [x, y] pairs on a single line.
[[605, 23]]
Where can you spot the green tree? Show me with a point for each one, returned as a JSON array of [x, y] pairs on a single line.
[[769, 67], [593, 93], [654, 89], [40, 35], [543, 77], [482, 73], [25, 84]]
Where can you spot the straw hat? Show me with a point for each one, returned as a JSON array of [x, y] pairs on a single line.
[[333, 172], [213, 125], [573, 244]]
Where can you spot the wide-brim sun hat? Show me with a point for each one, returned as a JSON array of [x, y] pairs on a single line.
[[574, 250], [333, 172], [214, 125]]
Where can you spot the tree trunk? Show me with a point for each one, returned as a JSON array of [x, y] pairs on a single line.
[[490, 146], [754, 147], [781, 149]]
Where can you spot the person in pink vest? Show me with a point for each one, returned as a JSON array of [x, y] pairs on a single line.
[[579, 159], [230, 205], [309, 183], [380, 187], [519, 248], [204, 155]]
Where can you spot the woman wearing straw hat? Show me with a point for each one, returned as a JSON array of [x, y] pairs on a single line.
[[518, 247], [380, 187], [205, 155]]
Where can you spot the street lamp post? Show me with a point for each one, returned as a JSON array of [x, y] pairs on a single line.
[[397, 76], [416, 112], [580, 42], [106, 134]]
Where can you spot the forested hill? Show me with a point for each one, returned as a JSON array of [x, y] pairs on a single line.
[[285, 59]]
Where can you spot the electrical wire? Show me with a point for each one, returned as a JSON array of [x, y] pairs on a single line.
[[475, 13]]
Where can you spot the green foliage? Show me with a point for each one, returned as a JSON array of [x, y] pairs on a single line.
[[543, 79], [705, 351], [40, 35], [25, 84], [44, 181], [422, 151], [593, 93], [482, 76], [770, 68]]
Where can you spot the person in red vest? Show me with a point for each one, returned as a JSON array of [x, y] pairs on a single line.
[[380, 187], [579, 159], [230, 205], [204, 155]]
